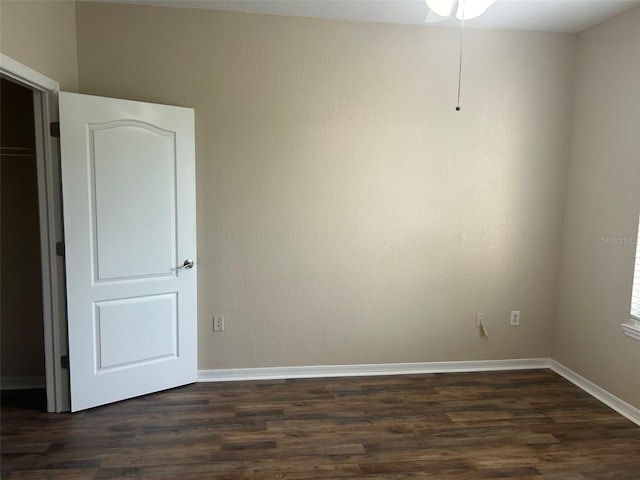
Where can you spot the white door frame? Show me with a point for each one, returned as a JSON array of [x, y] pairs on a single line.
[[45, 96]]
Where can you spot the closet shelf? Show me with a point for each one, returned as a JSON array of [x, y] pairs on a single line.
[[18, 151]]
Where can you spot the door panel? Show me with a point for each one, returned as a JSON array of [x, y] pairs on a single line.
[[117, 151], [134, 331], [128, 175]]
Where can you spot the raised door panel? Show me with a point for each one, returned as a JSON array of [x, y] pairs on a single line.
[[133, 169]]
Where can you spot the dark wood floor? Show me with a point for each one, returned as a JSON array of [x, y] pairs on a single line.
[[503, 425]]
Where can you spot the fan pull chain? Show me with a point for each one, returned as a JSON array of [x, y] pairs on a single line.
[[460, 65]]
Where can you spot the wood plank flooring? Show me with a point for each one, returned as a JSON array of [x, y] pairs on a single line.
[[500, 425]]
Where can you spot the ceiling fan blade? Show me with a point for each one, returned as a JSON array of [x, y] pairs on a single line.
[[472, 9], [433, 17]]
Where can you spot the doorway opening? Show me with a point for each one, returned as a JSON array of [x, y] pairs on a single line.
[[32, 297], [22, 361]]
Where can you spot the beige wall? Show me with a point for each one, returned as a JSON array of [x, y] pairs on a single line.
[[602, 205], [42, 35], [346, 213]]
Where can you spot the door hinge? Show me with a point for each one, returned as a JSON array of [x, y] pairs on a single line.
[[64, 361], [54, 129], [60, 249]]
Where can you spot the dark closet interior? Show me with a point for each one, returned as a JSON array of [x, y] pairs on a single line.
[[21, 323]]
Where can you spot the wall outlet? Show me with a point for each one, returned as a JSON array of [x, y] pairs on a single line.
[[479, 319], [218, 323], [515, 318]]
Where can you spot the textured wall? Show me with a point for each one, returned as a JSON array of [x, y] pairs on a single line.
[[42, 35], [346, 213], [603, 201]]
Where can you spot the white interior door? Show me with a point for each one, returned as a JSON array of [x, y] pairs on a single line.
[[128, 183]]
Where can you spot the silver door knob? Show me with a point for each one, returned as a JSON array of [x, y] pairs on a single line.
[[188, 264]]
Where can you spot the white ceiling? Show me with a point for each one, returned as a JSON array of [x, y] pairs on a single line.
[[569, 16]]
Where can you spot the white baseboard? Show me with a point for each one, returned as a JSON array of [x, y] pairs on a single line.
[[277, 373], [620, 406], [22, 383]]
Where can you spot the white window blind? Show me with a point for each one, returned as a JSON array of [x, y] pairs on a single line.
[[635, 297]]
